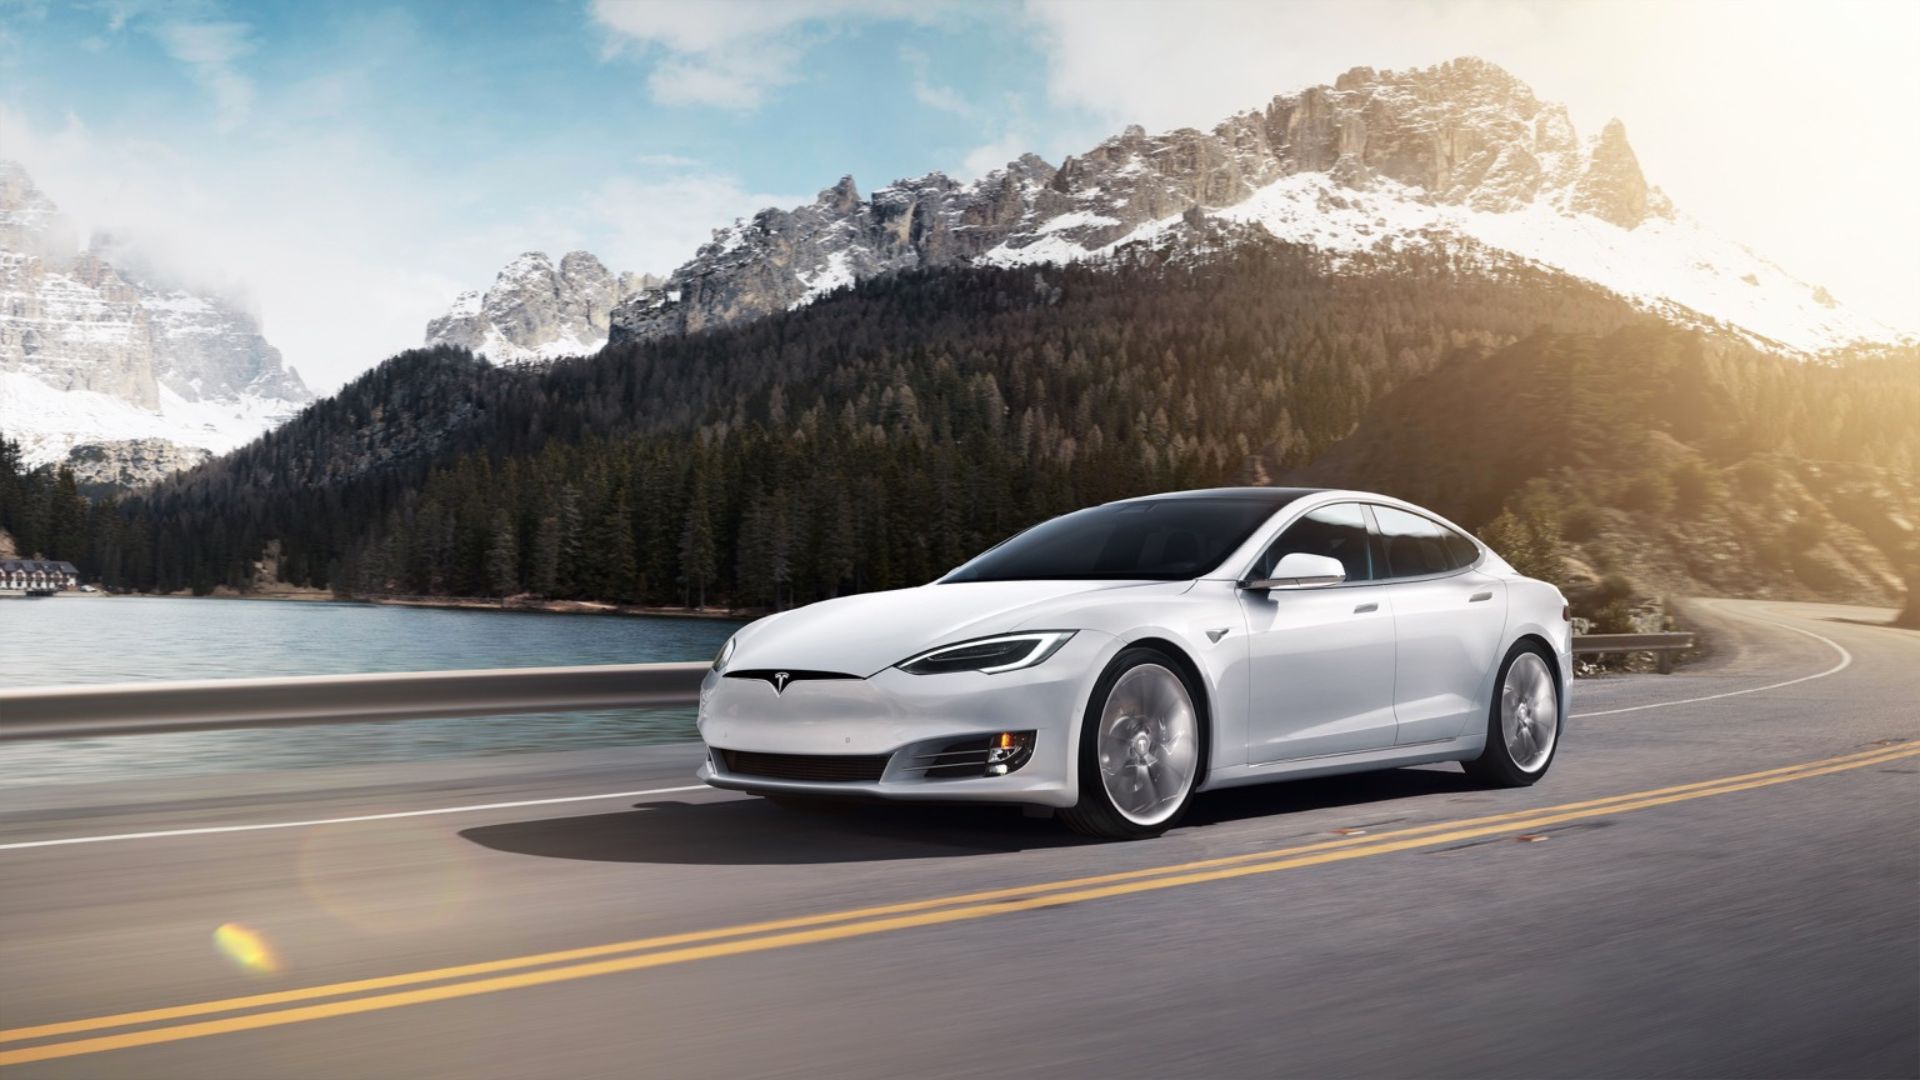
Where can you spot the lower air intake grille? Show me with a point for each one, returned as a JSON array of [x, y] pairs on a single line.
[[956, 760], [843, 768]]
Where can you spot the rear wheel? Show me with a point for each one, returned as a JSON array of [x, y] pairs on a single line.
[[1523, 721], [1140, 747]]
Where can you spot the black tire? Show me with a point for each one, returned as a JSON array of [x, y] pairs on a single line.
[[1095, 814], [1495, 766]]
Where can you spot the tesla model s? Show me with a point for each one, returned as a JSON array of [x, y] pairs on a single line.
[[1113, 662]]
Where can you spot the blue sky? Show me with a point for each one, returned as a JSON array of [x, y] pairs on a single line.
[[348, 167], [492, 99]]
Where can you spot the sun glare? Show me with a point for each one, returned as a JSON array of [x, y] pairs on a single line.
[[247, 948]]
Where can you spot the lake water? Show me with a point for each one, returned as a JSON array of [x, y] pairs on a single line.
[[99, 639]]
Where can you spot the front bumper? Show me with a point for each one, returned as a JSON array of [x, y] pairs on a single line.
[[902, 718]]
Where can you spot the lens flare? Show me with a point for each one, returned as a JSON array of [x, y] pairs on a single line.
[[247, 948]]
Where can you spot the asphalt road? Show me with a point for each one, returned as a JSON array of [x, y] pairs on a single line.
[[1721, 877]]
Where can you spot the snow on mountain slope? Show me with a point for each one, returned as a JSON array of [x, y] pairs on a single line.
[[92, 353], [1459, 154], [1671, 265], [48, 422]]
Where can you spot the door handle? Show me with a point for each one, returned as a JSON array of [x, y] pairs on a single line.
[[1479, 596], [1364, 608]]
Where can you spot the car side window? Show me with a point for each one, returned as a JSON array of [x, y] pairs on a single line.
[[1464, 551], [1416, 546], [1338, 532]]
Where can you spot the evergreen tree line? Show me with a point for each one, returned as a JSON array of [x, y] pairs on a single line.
[[881, 436], [44, 511]]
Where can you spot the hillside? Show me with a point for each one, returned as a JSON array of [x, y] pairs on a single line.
[[878, 437], [1676, 462], [875, 438]]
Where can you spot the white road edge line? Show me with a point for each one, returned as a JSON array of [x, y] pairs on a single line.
[[1846, 660], [213, 829]]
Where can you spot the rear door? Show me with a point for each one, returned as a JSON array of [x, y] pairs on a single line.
[[1448, 619], [1321, 659]]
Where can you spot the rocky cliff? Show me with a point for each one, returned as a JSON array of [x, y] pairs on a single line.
[[121, 464], [1461, 156], [92, 352], [536, 311]]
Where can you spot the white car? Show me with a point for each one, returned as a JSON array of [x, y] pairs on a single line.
[[1113, 662]]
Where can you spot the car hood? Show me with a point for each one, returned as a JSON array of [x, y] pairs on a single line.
[[869, 632]]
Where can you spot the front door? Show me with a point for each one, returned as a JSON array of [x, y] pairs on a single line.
[[1321, 659]]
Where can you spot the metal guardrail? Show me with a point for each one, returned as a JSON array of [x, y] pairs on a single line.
[[1663, 646], [135, 708]]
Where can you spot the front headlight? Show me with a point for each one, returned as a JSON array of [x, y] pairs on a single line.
[[726, 654], [989, 656]]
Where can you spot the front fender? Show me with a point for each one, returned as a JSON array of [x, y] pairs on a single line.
[[1206, 627]]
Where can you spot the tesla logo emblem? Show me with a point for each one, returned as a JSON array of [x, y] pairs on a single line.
[[780, 679]]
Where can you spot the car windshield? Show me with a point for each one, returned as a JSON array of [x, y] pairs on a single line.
[[1173, 539]]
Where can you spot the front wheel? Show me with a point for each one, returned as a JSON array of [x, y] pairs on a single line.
[[1140, 747], [1523, 721]]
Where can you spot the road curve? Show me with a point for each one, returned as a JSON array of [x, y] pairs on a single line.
[[1720, 877]]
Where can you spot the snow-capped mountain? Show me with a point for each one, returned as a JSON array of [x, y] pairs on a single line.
[[535, 311], [1461, 156], [91, 353]]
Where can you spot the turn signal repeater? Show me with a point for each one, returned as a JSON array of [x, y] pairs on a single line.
[[1008, 751]]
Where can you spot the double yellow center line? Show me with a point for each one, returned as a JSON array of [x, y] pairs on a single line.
[[467, 980]]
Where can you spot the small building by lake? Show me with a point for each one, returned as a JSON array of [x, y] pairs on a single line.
[[38, 575]]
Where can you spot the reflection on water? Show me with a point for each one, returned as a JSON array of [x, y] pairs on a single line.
[[80, 639]]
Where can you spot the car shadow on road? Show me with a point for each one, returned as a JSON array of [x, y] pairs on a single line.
[[755, 832], [1287, 797]]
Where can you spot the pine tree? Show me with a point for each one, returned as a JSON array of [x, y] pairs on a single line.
[[1527, 535], [620, 572], [544, 576], [503, 556], [697, 547]]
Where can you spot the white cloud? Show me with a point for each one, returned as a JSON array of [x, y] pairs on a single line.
[[944, 98], [341, 253], [343, 249], [731, 55], [654, 224], [209, 50], [735, 80], [666, 161], [984, 159]]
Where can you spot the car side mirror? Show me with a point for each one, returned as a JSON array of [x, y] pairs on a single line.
[[1300, 570]]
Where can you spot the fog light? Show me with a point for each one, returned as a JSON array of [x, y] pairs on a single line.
[[1008, 751]]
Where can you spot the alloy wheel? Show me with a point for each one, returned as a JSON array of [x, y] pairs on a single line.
[[1148, 744], [1529, 712]]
